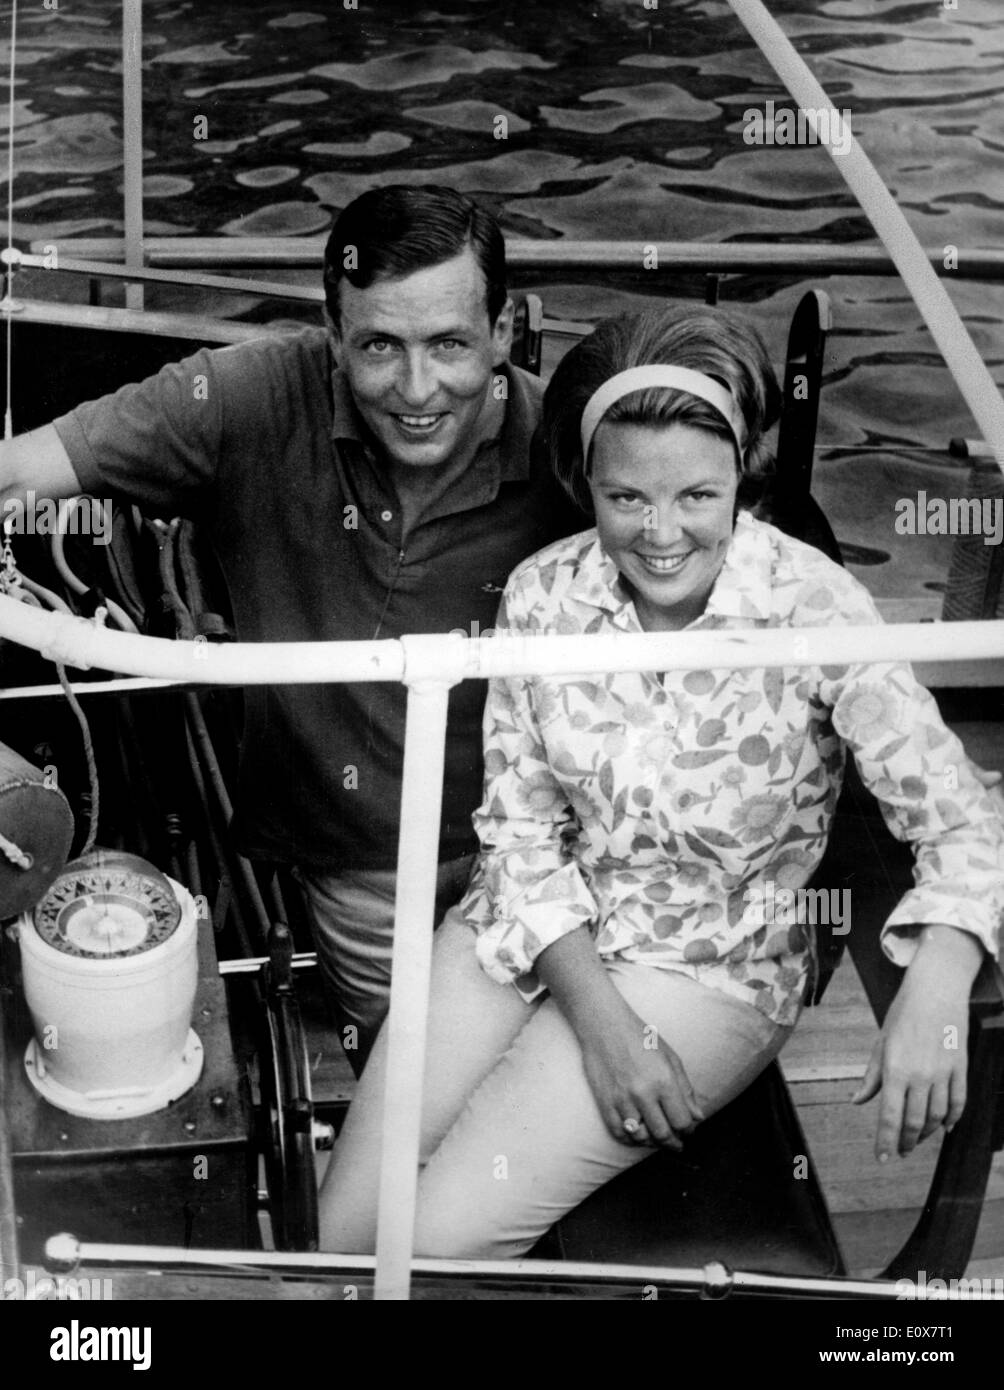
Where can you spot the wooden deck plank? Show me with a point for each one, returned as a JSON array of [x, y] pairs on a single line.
[[870, 1238]]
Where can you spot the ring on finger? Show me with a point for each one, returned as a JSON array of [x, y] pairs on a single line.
[[632, 1125]]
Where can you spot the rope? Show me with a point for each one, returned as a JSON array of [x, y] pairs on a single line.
[[92, 767]]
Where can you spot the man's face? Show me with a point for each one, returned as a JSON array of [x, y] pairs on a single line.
[[419, 353]]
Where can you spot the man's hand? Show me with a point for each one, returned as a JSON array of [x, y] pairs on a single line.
[[919, 1061]]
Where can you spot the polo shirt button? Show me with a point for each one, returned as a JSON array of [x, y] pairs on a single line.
[[386, 516]]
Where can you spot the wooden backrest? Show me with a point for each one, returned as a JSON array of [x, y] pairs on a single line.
[[803, 379], [976, 574], [528, 334], [787, 499]]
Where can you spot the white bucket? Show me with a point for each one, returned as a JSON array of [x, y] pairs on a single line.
[[113, 1035]]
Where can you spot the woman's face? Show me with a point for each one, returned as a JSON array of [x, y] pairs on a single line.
[[665, 500]]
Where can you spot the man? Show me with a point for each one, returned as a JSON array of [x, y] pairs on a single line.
[[367, 481]]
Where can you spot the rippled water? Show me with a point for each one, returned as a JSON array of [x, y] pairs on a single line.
[[620, 122]]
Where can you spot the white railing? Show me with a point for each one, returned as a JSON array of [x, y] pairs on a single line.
[[429, 665]]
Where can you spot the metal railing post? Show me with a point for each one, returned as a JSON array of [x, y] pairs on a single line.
[[428, 678]]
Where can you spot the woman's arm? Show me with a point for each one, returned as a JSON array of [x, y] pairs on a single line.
[[631, 1070], [933, 799], [919, 1061], [527, 890]]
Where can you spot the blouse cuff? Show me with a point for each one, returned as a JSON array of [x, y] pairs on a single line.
[[901, 933], [518, 926]]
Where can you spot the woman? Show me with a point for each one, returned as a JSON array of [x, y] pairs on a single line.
[[613, 974]]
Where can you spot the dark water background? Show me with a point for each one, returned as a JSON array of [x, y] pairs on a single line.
[[622, 122]]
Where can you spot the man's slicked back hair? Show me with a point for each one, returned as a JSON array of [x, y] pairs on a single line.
[[391, 232]]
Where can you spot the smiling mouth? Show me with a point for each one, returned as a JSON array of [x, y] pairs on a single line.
[[419, 424], [669, 564]]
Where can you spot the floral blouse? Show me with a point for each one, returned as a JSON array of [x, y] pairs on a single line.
[[658, 809]]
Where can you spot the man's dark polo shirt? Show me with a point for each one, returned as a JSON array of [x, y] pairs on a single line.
[[261, 443]]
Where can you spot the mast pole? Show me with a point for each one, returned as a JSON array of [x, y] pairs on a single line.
[[10, 256], [132, 140]]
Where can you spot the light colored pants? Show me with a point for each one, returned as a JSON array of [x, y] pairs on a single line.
[[512, 1138], [352, 915]]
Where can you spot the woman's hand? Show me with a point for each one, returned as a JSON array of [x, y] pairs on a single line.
[[635, 1076], [919, 1061]]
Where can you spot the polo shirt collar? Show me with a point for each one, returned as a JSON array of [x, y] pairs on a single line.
[[345, 421], [742, 589], [518, 426]]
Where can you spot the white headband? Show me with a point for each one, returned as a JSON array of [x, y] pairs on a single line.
[[660, 374]]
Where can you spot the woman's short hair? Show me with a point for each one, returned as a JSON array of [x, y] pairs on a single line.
[[712, 341], [391, 232]]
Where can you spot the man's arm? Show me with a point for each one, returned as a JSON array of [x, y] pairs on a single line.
[[39, 462]]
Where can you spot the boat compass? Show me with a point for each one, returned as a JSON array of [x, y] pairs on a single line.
[[110, 965], [107, 904]]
